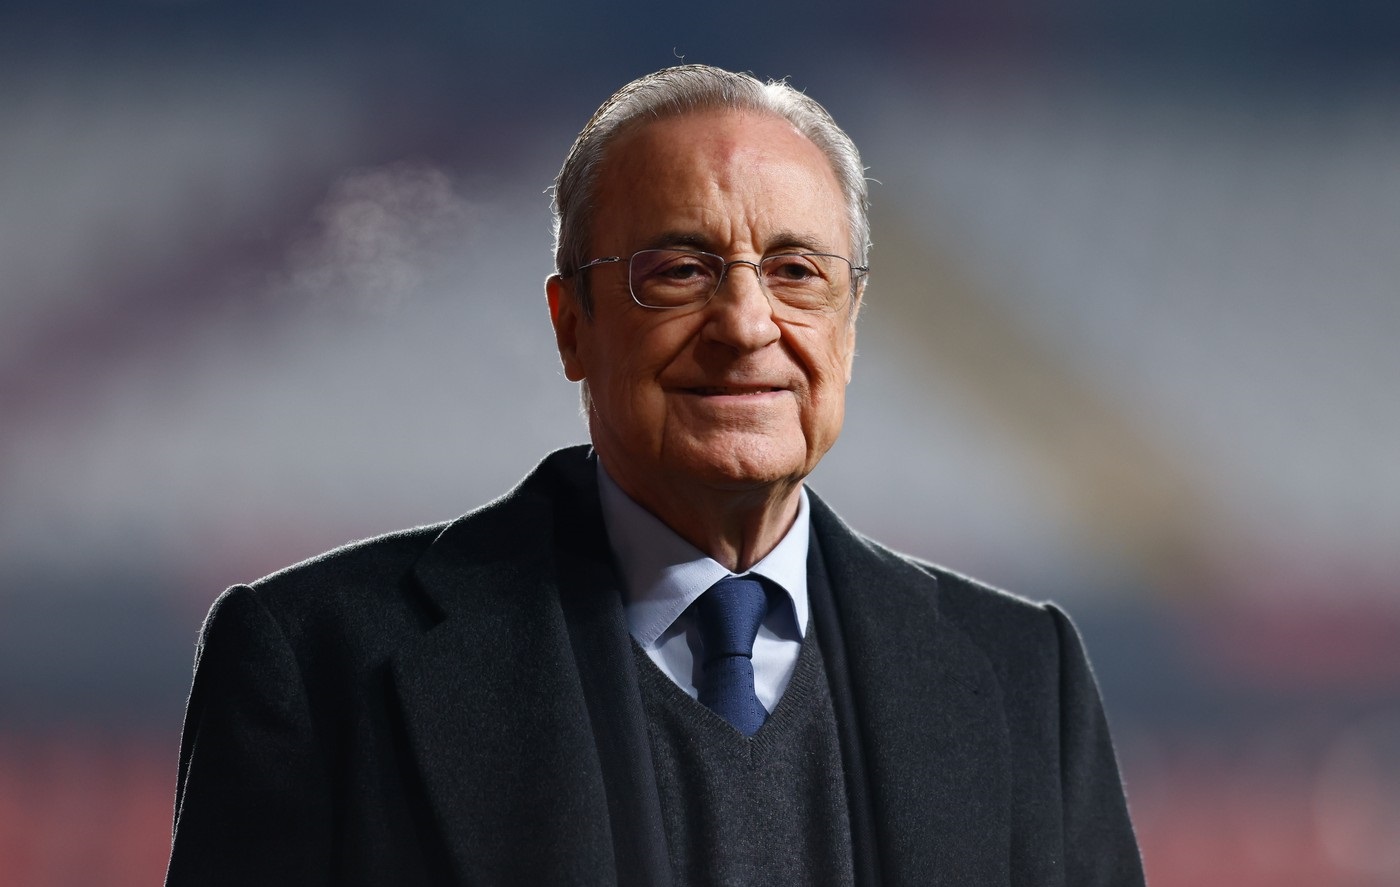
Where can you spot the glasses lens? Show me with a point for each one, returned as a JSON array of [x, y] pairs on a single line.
[[672, 278], [808, 281], [669, 278]]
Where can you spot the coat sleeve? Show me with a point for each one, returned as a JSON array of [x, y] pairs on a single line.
[[1100, 848], [252, 803]]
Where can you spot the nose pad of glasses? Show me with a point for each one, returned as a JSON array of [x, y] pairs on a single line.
[[757, 273]]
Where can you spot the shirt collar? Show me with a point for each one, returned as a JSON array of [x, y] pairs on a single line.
[[662, 574]]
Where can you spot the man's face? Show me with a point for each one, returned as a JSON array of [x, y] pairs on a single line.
[[730, 395]]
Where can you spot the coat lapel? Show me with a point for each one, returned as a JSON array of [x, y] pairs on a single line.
[[506, 732], [521, 704], [591, 596], [930, 717], [496, 723], [493, 707]]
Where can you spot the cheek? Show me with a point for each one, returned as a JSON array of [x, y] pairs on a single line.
[[625, 364], [603, 352], [831, 361], [831, 403], [830, 375]]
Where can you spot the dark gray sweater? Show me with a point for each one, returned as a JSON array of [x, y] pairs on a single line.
[[738, 810]]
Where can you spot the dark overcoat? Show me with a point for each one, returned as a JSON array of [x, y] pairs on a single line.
[[458, 704]]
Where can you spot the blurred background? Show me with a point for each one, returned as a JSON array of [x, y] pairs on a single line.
[[271, 280]]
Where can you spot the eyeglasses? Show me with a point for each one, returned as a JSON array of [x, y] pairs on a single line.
[[677, 278]]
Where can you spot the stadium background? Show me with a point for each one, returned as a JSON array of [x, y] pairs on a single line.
[[270, 280]]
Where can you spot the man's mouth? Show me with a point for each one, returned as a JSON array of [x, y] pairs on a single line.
[[731, 391]]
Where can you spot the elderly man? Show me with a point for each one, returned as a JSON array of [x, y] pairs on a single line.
[[659, 659]]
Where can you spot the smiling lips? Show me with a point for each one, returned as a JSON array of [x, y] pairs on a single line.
[[732, 390]]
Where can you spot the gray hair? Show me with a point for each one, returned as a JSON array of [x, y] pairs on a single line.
[[681, 90]]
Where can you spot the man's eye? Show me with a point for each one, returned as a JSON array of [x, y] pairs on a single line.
[[682, 270], [794, 268]]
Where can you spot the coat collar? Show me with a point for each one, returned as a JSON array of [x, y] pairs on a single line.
[[930, 715], [538, 770]]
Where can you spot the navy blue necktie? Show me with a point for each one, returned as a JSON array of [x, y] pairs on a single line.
[[729, 614]]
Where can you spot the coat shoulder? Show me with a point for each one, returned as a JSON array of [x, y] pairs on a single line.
[[350, 575], [1019, 637], [977, 606], [362, 598], [955, 596]]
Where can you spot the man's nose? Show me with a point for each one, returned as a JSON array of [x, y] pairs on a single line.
[[741, 311]]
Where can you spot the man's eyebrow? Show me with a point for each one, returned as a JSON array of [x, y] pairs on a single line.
[[795, 240], [780, 242], [680, 240]]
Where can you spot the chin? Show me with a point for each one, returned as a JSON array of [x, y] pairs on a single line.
[[746, 463]]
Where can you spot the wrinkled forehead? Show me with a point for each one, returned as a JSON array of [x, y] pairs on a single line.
[[709, 162]]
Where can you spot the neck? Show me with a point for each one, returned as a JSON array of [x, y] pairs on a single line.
[[736, 527]]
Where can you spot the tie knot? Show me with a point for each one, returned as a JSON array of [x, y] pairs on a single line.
[[729, 615]]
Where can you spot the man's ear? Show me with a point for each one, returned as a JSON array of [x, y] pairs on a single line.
[[566, 314]]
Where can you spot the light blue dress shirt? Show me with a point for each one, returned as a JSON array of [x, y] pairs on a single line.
[[662, 575]]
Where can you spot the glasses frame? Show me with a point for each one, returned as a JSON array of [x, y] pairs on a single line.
[[857, 272]]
